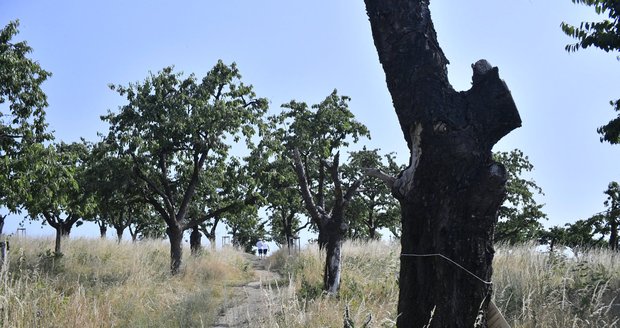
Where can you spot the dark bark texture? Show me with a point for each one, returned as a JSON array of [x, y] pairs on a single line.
[[195, 240], [451, 192], [175, 234]]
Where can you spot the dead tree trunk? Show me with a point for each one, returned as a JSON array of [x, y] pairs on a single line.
[[452, 189]]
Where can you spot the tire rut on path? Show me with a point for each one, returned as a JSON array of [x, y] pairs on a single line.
[[251, 304]]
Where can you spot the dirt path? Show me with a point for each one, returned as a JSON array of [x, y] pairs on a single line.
[[251, 304]]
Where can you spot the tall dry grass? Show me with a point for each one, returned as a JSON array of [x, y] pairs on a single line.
[[531, 289], [99, 283]]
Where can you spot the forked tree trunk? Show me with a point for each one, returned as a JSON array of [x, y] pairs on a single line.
[[332, 227], [175, 235], [451, 192]]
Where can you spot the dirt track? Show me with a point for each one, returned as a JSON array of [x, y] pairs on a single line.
[[251, 304]]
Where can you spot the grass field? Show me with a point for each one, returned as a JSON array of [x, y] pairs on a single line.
[[100, 283]]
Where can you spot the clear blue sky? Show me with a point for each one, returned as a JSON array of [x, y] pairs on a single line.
[[304, 49]]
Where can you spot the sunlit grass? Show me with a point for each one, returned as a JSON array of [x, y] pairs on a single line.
[[99, 283], [531, 289]]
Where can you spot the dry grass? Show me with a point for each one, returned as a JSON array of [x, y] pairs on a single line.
[[101, 283], [531, 289], [98, 283]]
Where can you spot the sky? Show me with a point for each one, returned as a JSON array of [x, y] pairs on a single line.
[[304, 49]]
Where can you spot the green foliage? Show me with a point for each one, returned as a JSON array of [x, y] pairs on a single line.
[[57, 189], [22, 115], [374, 207], [519, 215], [609, 224], [176, 131], [319, 133], [605, 35]]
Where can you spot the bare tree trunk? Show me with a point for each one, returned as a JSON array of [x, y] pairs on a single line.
[[195, 241], [57, 245], [212, 241], [103, 230], [330, 237], [451, 192], [119, 233], [2, 218], [175, 235], [613, 236]]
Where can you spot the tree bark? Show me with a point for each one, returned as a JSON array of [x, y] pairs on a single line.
[[57, 245], [103, 230], [330, 237], [119, 232], [2, 218], [613, 235], [194, 241], [451, 192], [175, 234]]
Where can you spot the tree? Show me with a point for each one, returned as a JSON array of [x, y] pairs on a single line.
[[176, 128], [246, 229], [284, 201], [57, 190], [519, 215], [373, 207], [22, 122], [604, 35], [314, 136], [452, 189], [609, 223], [225, 193], [117, 193]]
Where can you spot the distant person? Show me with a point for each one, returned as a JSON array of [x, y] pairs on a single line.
[[265, 248], [259, 247]]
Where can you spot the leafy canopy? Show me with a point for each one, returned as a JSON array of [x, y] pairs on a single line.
[[605, 35]]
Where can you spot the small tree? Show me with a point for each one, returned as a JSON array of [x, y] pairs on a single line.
[[608, 224], [176, 128], [22, 120], [374, 206], [519, 215], [57, 190], [314, 137]]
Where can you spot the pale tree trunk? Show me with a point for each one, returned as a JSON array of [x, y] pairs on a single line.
[[451, 192]]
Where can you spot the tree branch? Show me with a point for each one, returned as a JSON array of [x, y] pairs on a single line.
[[305, 191], [376, 173]]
